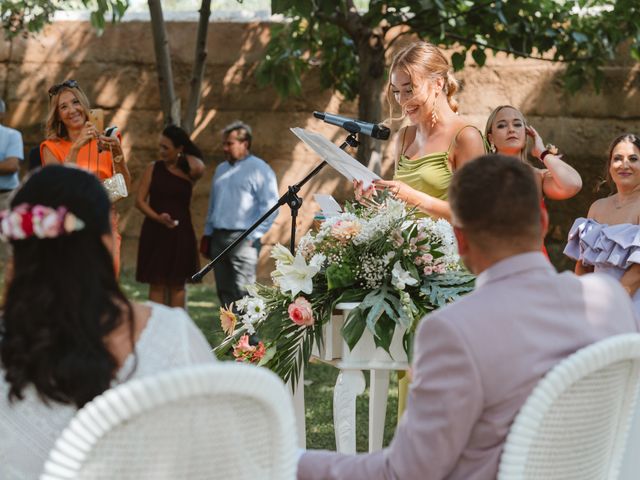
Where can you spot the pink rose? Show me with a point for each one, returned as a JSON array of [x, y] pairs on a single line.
[[300, 312]]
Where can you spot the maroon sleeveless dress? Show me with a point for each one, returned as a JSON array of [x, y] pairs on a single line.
[[167, 256]]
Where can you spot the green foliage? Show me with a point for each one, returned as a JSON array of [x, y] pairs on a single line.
[[442, 289], [30, 16], [339, 276], [333, 35], [296, 46]]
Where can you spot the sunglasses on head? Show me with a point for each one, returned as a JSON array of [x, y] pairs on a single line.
[[59, 86]]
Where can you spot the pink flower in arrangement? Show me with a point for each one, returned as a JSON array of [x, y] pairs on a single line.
[[259, 353], [428, 270], [397, 238], [228, 319], [439, 268], [300, 312], [242, 345], [243, 352], [345, 230]]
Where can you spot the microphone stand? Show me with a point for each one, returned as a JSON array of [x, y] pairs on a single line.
[[290, 198]]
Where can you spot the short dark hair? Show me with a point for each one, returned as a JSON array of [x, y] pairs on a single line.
[[63, 298], [244, 131], [496, 197]]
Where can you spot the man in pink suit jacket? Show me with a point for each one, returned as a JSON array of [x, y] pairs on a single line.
[[476, 361]]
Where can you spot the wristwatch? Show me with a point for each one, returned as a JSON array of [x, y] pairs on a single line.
[[550, 149]]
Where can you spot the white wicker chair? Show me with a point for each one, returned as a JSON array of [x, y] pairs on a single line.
[[575, 422], [630, 469], [220, 421]]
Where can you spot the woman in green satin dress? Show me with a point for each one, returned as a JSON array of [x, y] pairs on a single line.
[[438, 141], [434, 146]]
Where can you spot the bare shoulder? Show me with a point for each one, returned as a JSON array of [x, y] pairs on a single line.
[[467, 134], [406, 136], [468, 143], [599, 209]]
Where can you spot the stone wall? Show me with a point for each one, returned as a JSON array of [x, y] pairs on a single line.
[[117, 70]]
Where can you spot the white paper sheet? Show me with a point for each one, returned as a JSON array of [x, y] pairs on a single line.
[[328, 204], [344, 163]]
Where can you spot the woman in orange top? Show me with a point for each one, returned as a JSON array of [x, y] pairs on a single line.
[[73, 139]]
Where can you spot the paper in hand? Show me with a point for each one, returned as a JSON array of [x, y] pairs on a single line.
[[344, 163], [328, 204]]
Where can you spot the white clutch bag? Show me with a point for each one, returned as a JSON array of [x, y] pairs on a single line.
[[116, 187]]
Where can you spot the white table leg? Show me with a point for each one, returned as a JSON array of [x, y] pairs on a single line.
[[298, 408], [349, 385], [378, 394]]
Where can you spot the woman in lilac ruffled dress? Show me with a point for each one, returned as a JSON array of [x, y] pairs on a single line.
[[608, 240]]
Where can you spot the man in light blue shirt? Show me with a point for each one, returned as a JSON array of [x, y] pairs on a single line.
[[11, 154], [243, 188]]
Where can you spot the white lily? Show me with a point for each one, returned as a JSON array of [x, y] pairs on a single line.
[[297, 277], [281, 254], [400, 277]]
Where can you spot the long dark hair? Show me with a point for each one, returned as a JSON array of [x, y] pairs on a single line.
[[63, 299], [625, 137], [180, 138]]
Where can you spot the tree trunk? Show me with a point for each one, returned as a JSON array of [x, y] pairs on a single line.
[[170, 104], [195, 84], [372, 82]]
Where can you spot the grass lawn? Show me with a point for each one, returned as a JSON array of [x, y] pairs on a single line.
[[203, 307]]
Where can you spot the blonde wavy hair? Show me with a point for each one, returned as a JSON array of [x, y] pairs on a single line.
[[54, 128], [489, 126], [423, 62]]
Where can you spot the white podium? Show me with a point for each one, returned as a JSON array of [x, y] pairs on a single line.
[[351, 382]]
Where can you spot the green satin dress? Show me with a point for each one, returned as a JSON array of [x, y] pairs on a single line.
[[430, 174]]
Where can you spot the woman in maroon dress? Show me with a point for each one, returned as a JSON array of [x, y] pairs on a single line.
[[167, 251]]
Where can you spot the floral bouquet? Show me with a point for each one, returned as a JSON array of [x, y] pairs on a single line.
[[398, 265]]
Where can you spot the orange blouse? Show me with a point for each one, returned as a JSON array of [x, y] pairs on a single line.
[[98, 163]]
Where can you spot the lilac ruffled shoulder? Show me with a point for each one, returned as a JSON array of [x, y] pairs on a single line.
[[601, 245]]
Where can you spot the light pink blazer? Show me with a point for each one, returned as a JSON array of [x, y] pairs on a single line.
[[475, 363]]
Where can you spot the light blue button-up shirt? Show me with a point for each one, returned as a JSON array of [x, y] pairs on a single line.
[[10, 146], [240, 194]]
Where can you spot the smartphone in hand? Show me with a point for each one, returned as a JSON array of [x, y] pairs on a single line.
[[96, 116]]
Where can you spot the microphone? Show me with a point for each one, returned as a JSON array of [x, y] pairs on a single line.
[[355, 126]]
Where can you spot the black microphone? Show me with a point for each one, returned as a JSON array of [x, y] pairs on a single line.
[[355, 126]]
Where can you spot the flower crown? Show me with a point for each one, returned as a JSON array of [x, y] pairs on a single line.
[[25, 221]]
